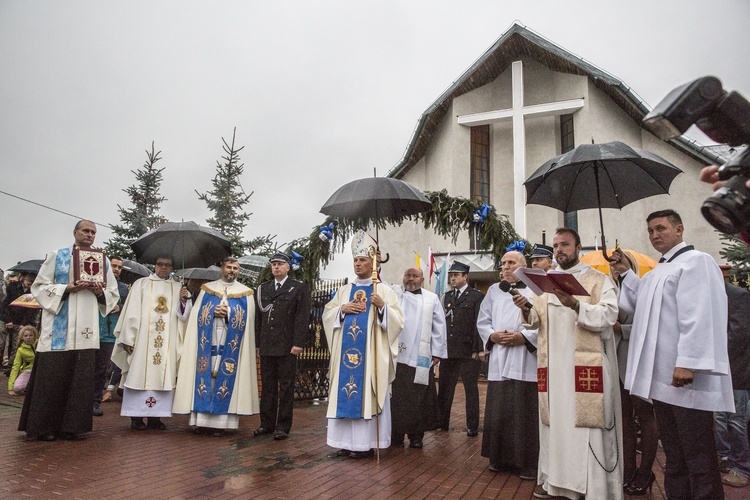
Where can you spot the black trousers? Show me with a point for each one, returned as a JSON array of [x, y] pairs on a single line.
[[100, 369], [450, 369], [277, 394], [692, 470]]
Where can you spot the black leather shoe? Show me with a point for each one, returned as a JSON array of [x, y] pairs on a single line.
[[155, 423], [262, 430], [343, 453], [46, 437], [362, 454], [217, 433], [137, 424], [97, 412], [471, 433], [415, 443], [280, 435]]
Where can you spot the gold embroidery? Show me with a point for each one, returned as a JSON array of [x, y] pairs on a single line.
[[228, 367], [157, 358], [233, 344], [203, 341], [238, 318], [354, 330], [201, 390], [159, 342], [223, 391], [160, 325], [350, 388], [204, 318], [202, 364], [161, 306], [588, 381]]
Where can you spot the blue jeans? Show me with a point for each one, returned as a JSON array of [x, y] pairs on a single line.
[[731, 435]]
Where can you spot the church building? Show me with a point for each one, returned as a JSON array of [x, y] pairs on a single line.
[[521, 103]]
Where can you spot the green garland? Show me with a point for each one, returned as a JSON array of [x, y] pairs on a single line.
[[448, 218]]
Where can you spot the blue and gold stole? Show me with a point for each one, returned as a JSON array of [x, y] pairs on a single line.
[[60, 321], [352, 362], [216, 400]]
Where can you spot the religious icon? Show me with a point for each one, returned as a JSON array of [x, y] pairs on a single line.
[[161, 306], [360, 296], [89, 266]]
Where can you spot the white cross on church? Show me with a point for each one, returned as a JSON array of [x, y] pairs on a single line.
[[518, 113]]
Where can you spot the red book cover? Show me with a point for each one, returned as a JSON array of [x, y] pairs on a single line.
[[540, 282]]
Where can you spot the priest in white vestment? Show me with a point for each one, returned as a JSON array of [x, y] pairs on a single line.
[[511, 415], [422, 343], [362, 323], [580, 438], [218, 377], [59, 397], [678, 356], [149, 334]]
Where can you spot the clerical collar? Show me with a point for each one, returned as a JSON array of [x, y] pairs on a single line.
[[229, 283], [363, 281], [418, 291], [673, 251], [518, 284]]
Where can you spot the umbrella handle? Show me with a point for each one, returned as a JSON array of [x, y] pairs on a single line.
[[601, 219]]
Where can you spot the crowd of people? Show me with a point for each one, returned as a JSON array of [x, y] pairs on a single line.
[[573, 380]]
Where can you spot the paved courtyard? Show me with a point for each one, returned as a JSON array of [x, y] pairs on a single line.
[[115, 462]]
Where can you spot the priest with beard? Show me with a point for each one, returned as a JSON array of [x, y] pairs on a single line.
[[218, 377], [421, 345], [580, 430], [362, 323], [511, 415]]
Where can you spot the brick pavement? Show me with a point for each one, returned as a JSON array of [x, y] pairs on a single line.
[[114, 462]]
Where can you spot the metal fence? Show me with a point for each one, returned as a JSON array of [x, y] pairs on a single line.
[[312, 365]]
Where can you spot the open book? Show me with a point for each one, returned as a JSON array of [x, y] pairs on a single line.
[[540, 282]]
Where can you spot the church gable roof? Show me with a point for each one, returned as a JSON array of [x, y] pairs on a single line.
[[516, 43]]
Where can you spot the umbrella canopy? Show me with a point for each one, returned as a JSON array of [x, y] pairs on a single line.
[[189, 245], [609, 175], [598, 262], [212, 273], [132, 271], [376, 197], [30, 266], [26, 300]]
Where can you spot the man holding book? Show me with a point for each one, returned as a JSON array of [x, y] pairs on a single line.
[[577, 380]]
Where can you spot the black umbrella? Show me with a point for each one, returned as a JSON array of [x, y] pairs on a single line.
[[30, 266], [212, 273], [189, 245], [376, 197], [610, 175], [132, 271]]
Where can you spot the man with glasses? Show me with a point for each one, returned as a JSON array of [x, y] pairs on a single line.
[[148, 333]]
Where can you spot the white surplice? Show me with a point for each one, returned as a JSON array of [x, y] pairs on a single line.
[[681, 321], [413, 307], [498, 313]]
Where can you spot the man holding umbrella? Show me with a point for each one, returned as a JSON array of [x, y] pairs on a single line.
[[362, 323], [149, 336]]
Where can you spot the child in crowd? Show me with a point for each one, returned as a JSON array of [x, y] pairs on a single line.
[[24, 361]]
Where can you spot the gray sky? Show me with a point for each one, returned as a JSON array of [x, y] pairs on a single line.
[[320, 92]]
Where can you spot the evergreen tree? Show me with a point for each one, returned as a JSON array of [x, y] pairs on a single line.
[[737, 253], [227, 199], [144, 214]]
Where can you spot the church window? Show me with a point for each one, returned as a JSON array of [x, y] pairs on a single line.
[[480, 164], [567, 142]]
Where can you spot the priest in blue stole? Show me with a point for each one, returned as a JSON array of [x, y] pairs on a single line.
[[362, 323], [218, 378]]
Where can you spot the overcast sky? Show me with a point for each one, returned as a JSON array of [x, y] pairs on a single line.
[[321, 92]]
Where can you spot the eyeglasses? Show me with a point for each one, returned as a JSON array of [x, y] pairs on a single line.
[[163, 264]]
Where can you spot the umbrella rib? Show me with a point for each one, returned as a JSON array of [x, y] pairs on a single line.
[[575, 180], [617, 197]]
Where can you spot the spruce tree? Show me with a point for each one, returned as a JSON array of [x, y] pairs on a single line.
[[737, 253], [144, 213], [227, 199]]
